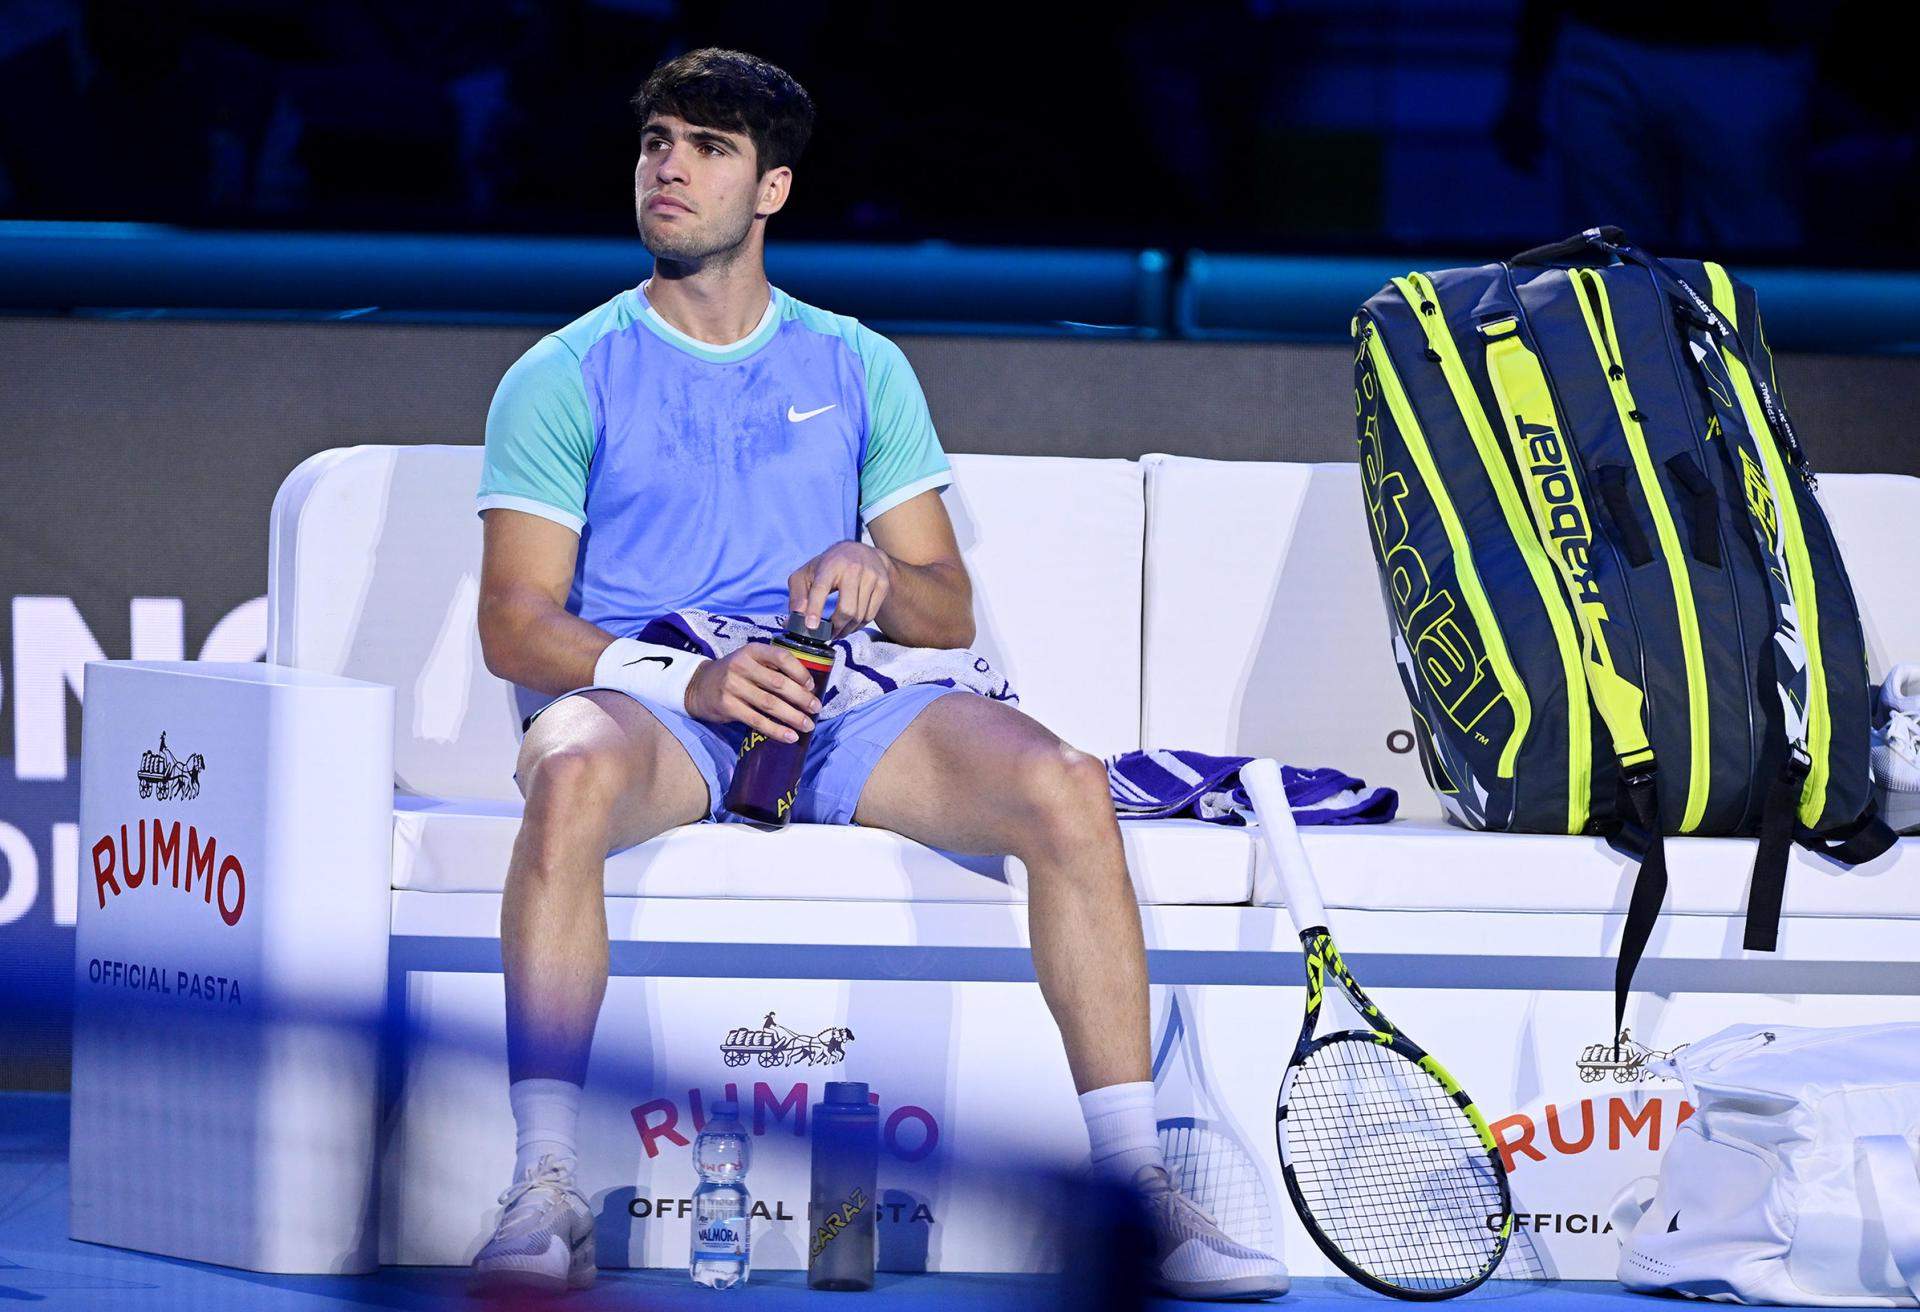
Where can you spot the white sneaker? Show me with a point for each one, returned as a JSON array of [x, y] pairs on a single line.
[[1193, 1258], [1896, 748], [544, 1240]]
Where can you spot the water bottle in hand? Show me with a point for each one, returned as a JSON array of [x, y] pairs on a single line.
[[722, 1206], [766, 778]]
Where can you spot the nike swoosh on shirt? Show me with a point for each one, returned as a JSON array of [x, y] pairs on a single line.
[[795, 416]]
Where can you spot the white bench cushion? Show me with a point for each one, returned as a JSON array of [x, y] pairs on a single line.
[[463, 847], [1434, 866]]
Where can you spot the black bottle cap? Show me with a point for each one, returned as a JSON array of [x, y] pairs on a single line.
[[847, 1091], [797, 628]]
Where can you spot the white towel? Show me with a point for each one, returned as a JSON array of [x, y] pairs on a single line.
[[865, 664]]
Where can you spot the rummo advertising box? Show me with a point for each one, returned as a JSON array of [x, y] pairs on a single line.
[[230, 963]]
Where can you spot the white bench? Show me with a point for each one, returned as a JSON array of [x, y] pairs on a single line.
[[1169, 602]]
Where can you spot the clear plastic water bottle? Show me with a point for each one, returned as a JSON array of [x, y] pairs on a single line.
[[722, 1207]]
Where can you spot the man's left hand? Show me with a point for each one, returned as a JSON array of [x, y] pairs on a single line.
[[860, 574]]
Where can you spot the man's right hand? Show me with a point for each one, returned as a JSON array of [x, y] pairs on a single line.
[[762, 686]]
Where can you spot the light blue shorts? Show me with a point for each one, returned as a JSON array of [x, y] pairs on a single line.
[[841, 755]]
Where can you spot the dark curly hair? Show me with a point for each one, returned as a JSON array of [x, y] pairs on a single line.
[[734, 92]]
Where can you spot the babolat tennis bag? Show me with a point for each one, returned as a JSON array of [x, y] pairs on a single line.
[[1617, 607]]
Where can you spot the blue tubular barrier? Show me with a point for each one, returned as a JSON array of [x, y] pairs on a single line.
[[1838, 312], [1298, 298], [1289, 298], [928, 287]]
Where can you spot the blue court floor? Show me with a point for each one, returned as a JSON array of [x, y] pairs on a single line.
[[41, 1267]]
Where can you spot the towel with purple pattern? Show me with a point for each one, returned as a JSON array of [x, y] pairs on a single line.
[[1193, 785], [865, 664]]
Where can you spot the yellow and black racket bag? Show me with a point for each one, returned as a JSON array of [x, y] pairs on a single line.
[[1616, 605]]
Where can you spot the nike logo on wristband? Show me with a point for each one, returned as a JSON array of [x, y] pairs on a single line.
[[665, 661]]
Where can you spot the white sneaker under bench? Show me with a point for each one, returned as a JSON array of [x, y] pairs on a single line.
[[544, 1240], [1193, 1257], [1896, 748]]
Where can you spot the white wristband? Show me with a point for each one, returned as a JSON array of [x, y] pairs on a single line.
[[648, 670]]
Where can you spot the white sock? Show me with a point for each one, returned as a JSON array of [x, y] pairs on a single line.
[[1902, 688], [1121, 1129], [545, 1113]]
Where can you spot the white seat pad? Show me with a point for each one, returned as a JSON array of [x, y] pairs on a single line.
[[1427, 865], [463, 847]]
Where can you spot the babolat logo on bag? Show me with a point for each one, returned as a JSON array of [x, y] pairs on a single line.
[[1566, 523], [1455, 669], [1449, 671]]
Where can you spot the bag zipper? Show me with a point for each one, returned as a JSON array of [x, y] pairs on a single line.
[[1682, 373], [1419, 292], [1599, 316], [1506, 676]]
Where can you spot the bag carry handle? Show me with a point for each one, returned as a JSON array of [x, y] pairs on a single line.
[[1578, 249], [1895, 1171]]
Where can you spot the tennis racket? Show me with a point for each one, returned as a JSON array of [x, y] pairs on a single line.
[[1388, 1162], [1205, 1152]]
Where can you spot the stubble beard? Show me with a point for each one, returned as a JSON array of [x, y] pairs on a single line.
[[714, 245]]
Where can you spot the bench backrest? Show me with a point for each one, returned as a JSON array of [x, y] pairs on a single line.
[[375, 574], [1223, 606], [1266, 633]]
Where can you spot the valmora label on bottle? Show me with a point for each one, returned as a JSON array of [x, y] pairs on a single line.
[[723, 1236]]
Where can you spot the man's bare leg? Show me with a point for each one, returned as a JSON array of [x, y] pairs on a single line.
[[599, 773], [973, 775]]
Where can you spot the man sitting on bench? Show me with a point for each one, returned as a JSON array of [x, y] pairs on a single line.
[[706, 440]]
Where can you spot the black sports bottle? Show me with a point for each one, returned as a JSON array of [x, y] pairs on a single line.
[[768, 771], [846, 1162]]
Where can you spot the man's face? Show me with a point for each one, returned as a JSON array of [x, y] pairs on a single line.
[[696, 190]]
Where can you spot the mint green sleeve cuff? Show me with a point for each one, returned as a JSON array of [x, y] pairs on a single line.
[[903, 457], [540, 438]]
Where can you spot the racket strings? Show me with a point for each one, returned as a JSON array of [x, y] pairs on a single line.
[[1217, 1173], [1391, 1168]]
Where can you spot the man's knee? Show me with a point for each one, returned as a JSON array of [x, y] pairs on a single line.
[[575, 775], [1068, 805], [572, 791]]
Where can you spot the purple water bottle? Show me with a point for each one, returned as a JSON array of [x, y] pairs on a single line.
[[840, 1205], [767, 774]]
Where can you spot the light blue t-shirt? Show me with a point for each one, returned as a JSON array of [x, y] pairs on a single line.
[[699, 475]]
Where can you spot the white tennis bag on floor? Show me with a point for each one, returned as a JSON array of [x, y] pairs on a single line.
[[1796, 1179]]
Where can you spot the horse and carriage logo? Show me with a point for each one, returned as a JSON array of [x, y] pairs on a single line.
[[1623, 1059], [169, 775], [776, 1045]]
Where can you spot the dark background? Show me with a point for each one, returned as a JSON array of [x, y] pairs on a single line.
[[1368, 125]]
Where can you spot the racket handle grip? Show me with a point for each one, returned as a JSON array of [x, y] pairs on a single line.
[[1261, 777]]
